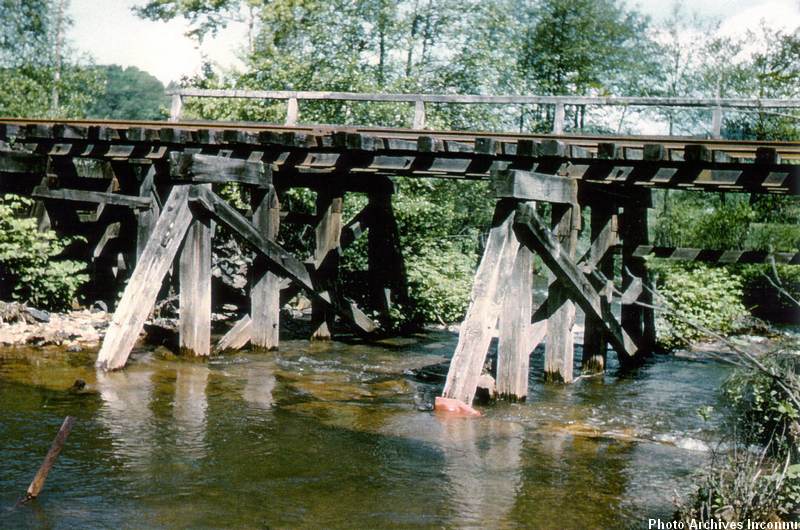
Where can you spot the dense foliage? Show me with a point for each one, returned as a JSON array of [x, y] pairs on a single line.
[[129, 93], [696, 296], [755, 474], [29, 268]]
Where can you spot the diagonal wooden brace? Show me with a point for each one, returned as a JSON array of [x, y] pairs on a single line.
[[142, 289], [280, 260], [533, 233]]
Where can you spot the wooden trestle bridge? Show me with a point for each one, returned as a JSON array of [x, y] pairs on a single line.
[[148, 186]]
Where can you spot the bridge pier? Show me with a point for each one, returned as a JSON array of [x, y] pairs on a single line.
[[502, 287]]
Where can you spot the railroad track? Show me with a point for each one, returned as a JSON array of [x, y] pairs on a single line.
[[735, 148]]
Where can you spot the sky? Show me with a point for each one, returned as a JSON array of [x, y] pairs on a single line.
[[112, 34]]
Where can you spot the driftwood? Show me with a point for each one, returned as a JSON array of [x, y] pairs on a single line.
[[49, 461]]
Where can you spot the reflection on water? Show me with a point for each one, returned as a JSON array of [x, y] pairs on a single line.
[[335, 435]]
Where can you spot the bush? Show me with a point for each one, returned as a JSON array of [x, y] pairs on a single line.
[[29, 269], [708, 297], [761, 410], [440, 281], [757, 476], [761, 297]]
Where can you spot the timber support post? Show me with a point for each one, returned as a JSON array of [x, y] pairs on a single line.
[[326, 258], [637, 321], [265, 290], [559, 348], [604, 237], [387, 274], [195, 288]]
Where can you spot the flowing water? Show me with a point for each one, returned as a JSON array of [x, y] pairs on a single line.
[[341, 436]]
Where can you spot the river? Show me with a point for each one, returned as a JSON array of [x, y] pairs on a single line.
[[341, 435]]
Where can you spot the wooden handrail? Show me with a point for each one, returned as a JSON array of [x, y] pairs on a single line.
[[294, 96]]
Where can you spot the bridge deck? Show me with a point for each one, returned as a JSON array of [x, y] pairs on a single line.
[[306, 154]]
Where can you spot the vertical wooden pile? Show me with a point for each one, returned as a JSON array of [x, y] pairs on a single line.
[[265, 290], [326, 258], [387, 275], [603, 235], [560, 349]]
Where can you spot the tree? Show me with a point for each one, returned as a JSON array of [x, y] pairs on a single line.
[[130, 94], [42, 75]]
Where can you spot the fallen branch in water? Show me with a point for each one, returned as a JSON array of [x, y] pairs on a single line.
[[52, 455]]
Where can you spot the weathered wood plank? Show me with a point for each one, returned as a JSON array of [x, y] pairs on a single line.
[[265, 293], [533, 186], [95, 197], [145, 282], [514, 340], [280, 260], [218, 169], [237, 337], [146, 218], [484, 309], [195, 289]]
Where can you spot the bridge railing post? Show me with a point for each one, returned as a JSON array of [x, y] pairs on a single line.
[[558, 119], [716, 123], [419, 114], [292, 112], [176, 107]]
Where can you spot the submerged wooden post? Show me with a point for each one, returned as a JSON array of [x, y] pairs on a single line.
[[603, 239], [484, 309], [514, 341], [559, 348], [387, 275], [195, 288], [326, 258], [49, 460], [265, 291]]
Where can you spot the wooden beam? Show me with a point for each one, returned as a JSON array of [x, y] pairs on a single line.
[[326, 259], [533, 233], [387, 273], [218, 169], [637, 321], [716, 256], [603, 240], [146, 218], [237, 337], [195, 289], [280, 260], [94, 197], [514, 341], [533, 186], [486, 298], [559, 349], [145, 282], [265, 292]]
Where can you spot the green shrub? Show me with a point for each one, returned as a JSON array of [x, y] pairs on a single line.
[[29, 269], [440, 280], [708, 297], [763, 299], [761, 410]]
